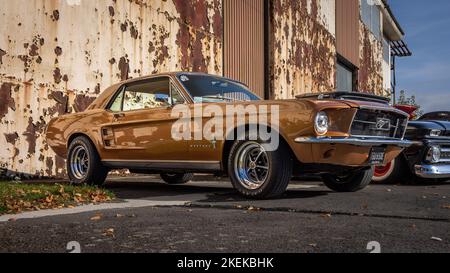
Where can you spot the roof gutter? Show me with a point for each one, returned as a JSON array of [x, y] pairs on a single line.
[[392, 27]]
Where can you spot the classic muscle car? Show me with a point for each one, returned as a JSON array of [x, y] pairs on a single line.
[[339, 136], [429, 156]]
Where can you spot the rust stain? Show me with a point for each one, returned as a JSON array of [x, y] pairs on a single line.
[[6, 100], [57, 75], [124, 67], [58, 51], [111, 11], [31, 134], [49, 165], [82, 102], [55, 15], [62, 103], [2, 53], [12, 138]]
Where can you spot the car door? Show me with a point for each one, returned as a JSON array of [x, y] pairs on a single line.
[[142, 123]]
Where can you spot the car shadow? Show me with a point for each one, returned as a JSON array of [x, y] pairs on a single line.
[[234, 197], [214, 194], [139, 190]]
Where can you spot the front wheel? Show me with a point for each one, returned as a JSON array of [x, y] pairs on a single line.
[[83, 163], [349, 183], [257, 173]]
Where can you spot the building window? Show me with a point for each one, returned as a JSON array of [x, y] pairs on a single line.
[[345, 77], [371, 16]]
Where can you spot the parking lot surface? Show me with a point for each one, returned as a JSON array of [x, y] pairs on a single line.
[[208, 216]]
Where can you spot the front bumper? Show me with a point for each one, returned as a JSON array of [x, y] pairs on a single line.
[[345, 151], [433, 171], [355, 141]]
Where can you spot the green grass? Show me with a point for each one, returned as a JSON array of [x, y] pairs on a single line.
[[19, 197]]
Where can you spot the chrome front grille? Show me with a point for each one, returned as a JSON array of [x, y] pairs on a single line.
[[379, 123], [445, 153]]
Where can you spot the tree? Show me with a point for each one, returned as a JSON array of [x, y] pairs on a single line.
[[403, 99]]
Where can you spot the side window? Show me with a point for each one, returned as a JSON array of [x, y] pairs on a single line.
[[147, 95], [176, 96], [116, 106]]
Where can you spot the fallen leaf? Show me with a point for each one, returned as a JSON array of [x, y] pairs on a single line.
[[326, 215], [109, 232], [389, 190], [119, 215], [96, 217], [312, 245]]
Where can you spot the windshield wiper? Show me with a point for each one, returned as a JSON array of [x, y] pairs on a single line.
[[218, 98]]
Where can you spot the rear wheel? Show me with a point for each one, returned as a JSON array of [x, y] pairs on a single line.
[[257, 173], [83, 163], [177, 178], [349, 183]]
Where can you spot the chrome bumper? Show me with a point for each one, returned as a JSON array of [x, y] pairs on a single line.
[[433, 171], [356, 141]]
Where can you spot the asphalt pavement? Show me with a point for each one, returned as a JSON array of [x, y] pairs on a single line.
[[208, 216]]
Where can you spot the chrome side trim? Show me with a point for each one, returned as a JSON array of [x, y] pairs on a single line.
[[356, 141], [433, 171], [164, 165]]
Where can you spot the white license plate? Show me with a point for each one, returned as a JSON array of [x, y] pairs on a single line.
[[377, 156]]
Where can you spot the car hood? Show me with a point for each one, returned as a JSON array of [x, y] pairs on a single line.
[[444, 126], [357, 104]]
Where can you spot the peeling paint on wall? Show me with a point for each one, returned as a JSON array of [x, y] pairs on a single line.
[[370, 75], [54, 61], [303, 55]]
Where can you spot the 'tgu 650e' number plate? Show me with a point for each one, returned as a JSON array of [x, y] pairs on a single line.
[[377, 156]]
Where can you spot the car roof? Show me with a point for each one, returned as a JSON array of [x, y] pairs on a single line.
[[107, 93]]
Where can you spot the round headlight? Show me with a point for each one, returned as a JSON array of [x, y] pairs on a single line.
[[321, 123], [435, 133], [434, 154]]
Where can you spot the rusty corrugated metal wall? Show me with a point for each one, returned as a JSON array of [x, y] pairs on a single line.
[[370, 74], [303, 47], [57, 55], [244, 43]]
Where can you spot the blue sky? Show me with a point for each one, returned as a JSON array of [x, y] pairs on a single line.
[[427, 73]]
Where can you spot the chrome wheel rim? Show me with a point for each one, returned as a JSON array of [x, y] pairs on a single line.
[[79, 162], [251, 165]]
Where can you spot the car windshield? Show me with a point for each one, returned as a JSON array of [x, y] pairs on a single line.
[[206, 88]]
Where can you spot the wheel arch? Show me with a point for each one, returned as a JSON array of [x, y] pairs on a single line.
[[81, 134]]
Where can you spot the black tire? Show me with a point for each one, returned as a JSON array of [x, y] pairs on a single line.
[[398, 173], [95, 173], [279, 172], [352, 183], [177, 178]]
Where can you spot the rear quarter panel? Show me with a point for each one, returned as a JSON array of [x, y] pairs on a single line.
[[89, 123]]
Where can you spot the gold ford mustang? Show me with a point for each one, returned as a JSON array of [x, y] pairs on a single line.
[[176, 124]]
